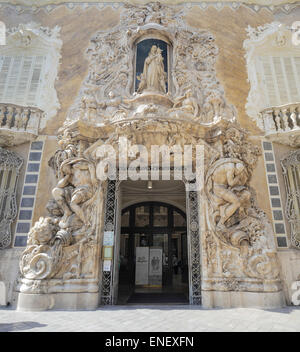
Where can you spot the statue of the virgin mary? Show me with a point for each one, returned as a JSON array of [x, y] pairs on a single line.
[[154, 76]]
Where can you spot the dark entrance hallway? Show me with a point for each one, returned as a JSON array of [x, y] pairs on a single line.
[[153, 255]]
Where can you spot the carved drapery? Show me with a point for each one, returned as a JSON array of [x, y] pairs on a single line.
[[10, 165], [291, 173]]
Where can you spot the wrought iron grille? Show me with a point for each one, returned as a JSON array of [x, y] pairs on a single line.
[[10, 165], [109, 225], [194, 247]]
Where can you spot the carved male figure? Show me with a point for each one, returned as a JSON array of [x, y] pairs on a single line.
[[80, 174], [225, 177]]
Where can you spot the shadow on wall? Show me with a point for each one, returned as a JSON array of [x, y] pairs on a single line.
[[22, 325]]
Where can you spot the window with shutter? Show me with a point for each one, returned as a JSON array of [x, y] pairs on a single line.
[[20, 79], [273, 65], [28, 68], [281, 79]]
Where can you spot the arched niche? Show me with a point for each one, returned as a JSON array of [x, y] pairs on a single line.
[[142, 47]]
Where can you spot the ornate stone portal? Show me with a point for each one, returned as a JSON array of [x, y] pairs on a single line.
[[61, 266]]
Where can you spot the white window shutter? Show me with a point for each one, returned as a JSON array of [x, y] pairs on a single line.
[[35, 81], [23, 84], [282, 85], [6, 60], [269, 81], [291, 75], [281, 77], [12, 79], [20, 79]]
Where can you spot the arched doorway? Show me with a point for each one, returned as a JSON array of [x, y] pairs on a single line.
[[153, 254]]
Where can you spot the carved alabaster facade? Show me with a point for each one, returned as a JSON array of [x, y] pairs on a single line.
[[232, 254]]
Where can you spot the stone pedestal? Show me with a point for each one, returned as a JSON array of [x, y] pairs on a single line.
[[65, 301], [265, 300]]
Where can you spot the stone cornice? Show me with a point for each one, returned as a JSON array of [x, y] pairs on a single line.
[[39, 3], [32, 6]]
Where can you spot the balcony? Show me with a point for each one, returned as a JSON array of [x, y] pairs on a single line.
[[282, 124], [18, 124]]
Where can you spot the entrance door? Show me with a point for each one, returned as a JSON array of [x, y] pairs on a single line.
[[153, 254]]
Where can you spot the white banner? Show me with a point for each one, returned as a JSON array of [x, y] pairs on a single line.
[[155, 261], [141, 267]]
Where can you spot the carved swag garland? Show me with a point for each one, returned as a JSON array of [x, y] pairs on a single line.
[[237, 248]]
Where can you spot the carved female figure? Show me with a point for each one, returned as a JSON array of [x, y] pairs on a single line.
[[153, 77], [186, 104]]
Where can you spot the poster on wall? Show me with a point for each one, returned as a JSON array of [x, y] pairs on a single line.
[[106, 265], [108, 238], [141, 267], [155, 266]]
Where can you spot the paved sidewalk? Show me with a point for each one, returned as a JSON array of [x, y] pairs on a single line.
[[153, 319]]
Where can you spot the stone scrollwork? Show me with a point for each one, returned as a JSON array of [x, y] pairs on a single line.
[[40, 259]]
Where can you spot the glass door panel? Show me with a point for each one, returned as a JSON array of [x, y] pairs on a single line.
[[159, 254]]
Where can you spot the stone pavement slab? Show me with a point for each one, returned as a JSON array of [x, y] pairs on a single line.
[[152, 319]]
